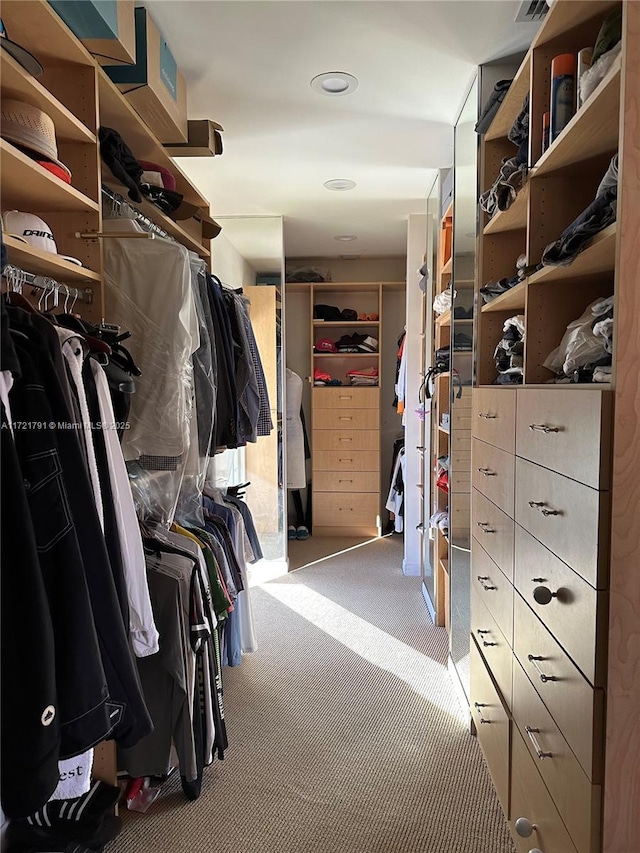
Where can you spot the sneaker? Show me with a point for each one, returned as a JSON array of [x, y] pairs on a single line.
[[302, 532], [291, 532]]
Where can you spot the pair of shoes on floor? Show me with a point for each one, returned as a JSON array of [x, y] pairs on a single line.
[[301, 532]]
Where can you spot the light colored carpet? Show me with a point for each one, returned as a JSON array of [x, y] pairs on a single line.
[[345, 733], [303, 552]]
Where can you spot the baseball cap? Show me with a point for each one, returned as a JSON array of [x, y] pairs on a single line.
[[34, 231], [26, 59], [325, 345], [157, 175]]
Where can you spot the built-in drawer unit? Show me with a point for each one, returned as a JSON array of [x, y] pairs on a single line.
[[493, 589], [570, 608], [578, 801], [345, 509], [571, 519], [344, 439], [576, 707], [534, 819], [493, 416], [568, 433], [346, 398], [346, 459], [345, 419], [493, 645], [494, 530], [492, 725], [492, 474], [346, 481]]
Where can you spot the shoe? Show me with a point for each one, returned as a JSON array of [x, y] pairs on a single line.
[[291, 532], [302, 532]]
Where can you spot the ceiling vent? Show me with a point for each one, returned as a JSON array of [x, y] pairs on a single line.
[[532, 11]]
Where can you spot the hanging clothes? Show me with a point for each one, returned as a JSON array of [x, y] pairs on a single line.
[[296, 464]]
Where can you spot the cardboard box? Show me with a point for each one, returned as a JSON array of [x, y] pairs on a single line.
[[154, 86], [105, 27], [204, 140]]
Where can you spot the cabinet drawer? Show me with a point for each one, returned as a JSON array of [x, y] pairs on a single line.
[[577, 800], [346, 398], [572, 702], [531, 801], [346, 481], [345, 509], [569, 433], [492, 474], [493, 589], [346, 419], [494, 416], [344, 439], [345, 459], [493, 646], [492, 725], [572, 520], [494, 530], [576, 614]]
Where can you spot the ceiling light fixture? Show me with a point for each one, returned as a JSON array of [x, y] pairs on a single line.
[[334, 83], [345, 238], [339, 184]]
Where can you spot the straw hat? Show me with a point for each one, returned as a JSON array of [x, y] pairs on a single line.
[[29, 127]]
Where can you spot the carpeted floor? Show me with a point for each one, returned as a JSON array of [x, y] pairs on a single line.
[[345, 733], [305, 551]]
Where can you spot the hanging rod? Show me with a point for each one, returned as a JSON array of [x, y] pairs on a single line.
[[119, 201], [129, 235], [18, 278]]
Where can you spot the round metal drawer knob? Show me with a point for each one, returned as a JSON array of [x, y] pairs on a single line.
[[543, 594], [524, 827]]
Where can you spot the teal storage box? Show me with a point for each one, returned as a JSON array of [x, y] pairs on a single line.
[[154, 86], [105, 27]]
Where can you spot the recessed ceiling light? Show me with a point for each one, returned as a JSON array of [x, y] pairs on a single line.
[[334, 83], [340, 184], [345, 238]]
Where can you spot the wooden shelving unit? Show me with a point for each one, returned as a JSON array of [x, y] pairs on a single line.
[[581, 801], [514, 218], [44, 263]]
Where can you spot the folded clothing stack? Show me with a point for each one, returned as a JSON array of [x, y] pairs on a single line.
[[584, 353], [493, 289], [368, 376], [332, 314], [348, 343], [442, 302], [509, 353], [320, 377], [513, 170], [440, 521]]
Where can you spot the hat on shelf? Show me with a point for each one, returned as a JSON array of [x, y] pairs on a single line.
[[32, 230], [157, 175], [31, 129], [325, 345], [22, 56], [119, 158]]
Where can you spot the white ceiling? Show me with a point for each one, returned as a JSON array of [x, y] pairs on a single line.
[[248, 65]]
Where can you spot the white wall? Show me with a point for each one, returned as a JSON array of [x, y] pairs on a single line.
[[362, 269], [229, 265]]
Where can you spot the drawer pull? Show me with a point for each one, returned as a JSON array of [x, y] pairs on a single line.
[[487, 645], [487, 472], [543, 676], [420, 448], [532, 737], [345, 481], [543, 594], [484, 526], [524, 827], [345, 397], [486, 586], [487, 416], [541, 505], [345, 439], [543, 428], [482, 631], [350, 459], [477, 706]]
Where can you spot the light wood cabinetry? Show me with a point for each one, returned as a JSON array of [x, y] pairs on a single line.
[[345, 435], [574, 776]]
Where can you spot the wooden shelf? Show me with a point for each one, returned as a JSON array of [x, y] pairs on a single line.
[[350, 285], [28, 186], [336, 324], [38, 262], [447, 432], [512, 300], [563, 17], [514, 218], [598, 257], [37, 27], [117, 112], [444, 564], [444, 319], [19, 84], [593, 130], [510, 107], [446, 269]]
